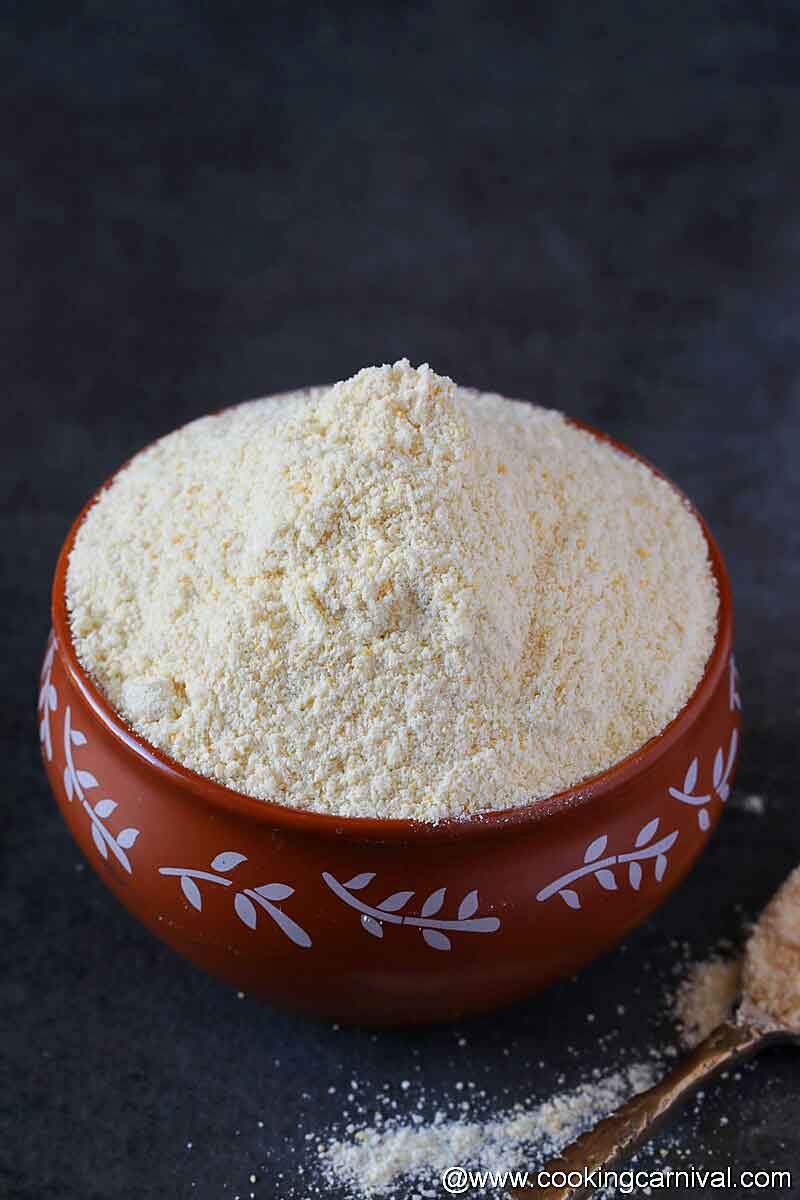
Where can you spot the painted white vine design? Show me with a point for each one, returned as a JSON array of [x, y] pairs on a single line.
[[601, 866], [48, 698], [77, 782], [734, 699], [722, 767], [244, 901], [720, 779], [387, 912]]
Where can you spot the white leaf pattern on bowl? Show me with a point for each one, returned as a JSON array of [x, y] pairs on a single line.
[[48, 699], [603, 868], [387, 912], [79, 781], [247, 901], [721, 770], [734, 699]]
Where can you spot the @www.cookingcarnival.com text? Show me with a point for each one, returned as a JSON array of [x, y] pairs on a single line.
[[458, 1181]]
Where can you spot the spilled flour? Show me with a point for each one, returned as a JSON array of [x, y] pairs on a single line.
[[375, 1159], [392, 1137], [401, 1153]]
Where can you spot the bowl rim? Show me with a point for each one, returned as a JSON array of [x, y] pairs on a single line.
[[392, 829]]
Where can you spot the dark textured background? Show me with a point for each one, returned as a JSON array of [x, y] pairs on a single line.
[[597, 210]]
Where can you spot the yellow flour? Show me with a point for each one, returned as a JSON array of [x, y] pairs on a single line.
[[772, 958], [392, 597]]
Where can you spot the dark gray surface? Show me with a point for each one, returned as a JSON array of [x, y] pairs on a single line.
[[595, 211]]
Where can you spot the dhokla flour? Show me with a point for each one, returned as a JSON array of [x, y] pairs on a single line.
[[771, 972], [707, 997], [392, 597], [372, 1160]]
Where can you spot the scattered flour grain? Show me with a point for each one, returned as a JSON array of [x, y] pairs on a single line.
[[392, 597], [372, 1160], [753, 804]]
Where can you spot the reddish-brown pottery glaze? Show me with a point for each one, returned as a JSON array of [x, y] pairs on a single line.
[[376, 921]]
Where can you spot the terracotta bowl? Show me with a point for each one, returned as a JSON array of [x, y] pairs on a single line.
[[385, 922]]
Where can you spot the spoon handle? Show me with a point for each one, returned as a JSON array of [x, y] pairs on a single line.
[[620, 1134]]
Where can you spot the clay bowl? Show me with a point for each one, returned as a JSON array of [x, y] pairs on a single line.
[[385, 922]]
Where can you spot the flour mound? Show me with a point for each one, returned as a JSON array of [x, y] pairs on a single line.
[[392, 597]]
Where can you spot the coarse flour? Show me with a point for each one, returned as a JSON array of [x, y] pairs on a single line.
[[392, 597]]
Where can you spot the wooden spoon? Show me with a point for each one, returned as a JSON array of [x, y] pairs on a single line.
[[768, 1012]]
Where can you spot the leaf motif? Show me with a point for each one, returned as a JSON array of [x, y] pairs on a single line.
[[595, 849], [227, 860], [732, 750], [717, 773], [394, 902], [192, 892], [646, 833], [570, 898], [68, 782], [245, 909], [669, 841], [723, 792], [359, 881], [52, 699], [78, 738], [704, 820], [104, 808], [371, 925], [635, 875], [661, 867], [691, 777], [606, 879], [436, 940], [87, 780], [99, 841], [434, 903], [292, 930], [468, 906], [275, 891], [127, 837]]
